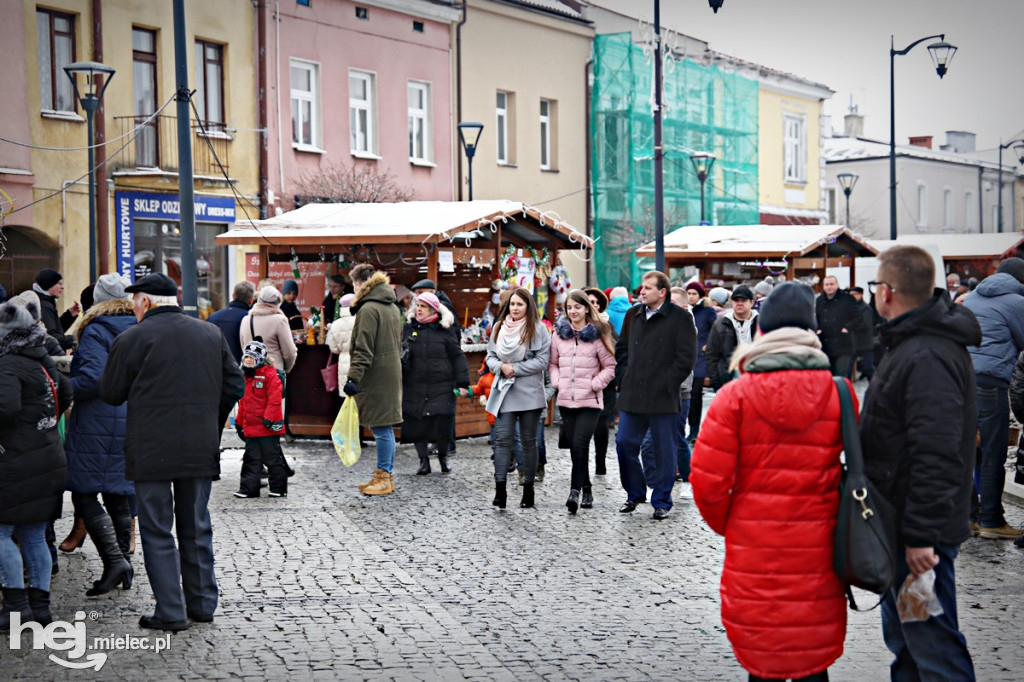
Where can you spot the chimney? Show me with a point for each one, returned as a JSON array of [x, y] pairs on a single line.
[[921, 141], [853, 125], [960, 141]]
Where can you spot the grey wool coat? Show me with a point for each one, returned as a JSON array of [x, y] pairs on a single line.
[[527, 391]]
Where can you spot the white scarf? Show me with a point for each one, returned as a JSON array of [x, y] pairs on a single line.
[[509, 344]]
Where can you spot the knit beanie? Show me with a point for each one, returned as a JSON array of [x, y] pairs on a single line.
[[109, 287], [764, 287], [431, 300], [719, 295], [790, 305], [698, 287], [290, 286], [257, 351], [346, 300], [270, 295], [618, 292], [1014, 267], [47, 278]]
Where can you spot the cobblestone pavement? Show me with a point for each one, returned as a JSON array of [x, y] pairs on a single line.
[[432, 583]]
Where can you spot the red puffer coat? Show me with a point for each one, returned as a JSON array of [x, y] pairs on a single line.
[[765, 474], [262, 400]]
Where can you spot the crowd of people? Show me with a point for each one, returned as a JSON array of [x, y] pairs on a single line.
[[763, 465]]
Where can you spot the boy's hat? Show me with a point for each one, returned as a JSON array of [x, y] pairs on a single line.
[[257, 351]]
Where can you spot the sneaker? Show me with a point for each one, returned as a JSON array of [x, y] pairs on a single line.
[[685, 491], [385, 485], [239, 493], [273, 494], [1003, 532]]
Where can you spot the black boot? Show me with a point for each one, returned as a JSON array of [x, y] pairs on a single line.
[[587, 502], [599, 467], [15, 601], [39, 603], [424, 466], [573, 503], [527, 500], [123, 531], [116, 568], [500, 495], [442, 458]]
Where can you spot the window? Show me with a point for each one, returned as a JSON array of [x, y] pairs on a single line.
[[947, 209], [362, 13], [419, 122], [922, 204], [144, 88], [210, 83], [795, 149], [545, 134], [361, 106], [417, 26], [56, 34], [505, 112], [969, 211], [305, 98]]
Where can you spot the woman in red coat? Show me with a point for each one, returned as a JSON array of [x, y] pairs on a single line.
[[765, 474]]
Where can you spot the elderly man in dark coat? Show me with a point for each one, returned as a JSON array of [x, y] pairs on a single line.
[[173, 370]]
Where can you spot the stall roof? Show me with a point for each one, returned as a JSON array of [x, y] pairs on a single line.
[[962, 246], [400, 222], [764, 241]]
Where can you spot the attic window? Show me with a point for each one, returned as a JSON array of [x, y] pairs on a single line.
[[304, 3], [362, 13], [417, 26]]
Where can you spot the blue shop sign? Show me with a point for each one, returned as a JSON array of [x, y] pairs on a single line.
[[132, 206]]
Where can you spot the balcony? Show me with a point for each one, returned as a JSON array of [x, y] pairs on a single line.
[[156, 146]]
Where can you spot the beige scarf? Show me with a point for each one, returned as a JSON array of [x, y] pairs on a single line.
[[789, 340]]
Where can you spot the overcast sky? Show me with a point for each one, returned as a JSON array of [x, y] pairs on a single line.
[[844, 44]]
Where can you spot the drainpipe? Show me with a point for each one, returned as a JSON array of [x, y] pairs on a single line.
[[588, 226], [264, 161], [100, 130], [277, 95], [458, 85], [981, 212]]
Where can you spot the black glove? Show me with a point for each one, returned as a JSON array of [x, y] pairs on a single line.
[[351, 387], [273, 426], [238, 430]]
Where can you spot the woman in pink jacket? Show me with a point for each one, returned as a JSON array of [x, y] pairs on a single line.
[[582, 364]]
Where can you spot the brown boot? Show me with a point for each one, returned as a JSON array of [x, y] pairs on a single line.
[[384, 486], [76, 538], [131, 543], [376, 477]]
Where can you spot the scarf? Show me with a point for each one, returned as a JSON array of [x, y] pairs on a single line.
[[427, 319], [788, 340], [509, 344]]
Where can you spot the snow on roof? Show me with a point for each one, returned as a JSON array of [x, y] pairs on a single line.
[[553, 6], [958, 246], [765, 240], [415, 220], [859, 148]]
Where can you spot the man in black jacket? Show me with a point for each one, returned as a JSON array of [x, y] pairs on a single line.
[[917, 431], [838, 321], [655, 353], [229, 319], [49, 285], [180, 381], [736, 327], [864, 337]]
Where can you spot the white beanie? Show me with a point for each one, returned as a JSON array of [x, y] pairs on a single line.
[[618, 292], [270, 295], [110, 287]]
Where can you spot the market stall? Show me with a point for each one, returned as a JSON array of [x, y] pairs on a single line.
[[968, 255], [471, 250]]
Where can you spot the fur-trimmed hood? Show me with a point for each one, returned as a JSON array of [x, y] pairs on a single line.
[[564, 330], [24, 337], [116, 306], [446, 320], [373, 291]]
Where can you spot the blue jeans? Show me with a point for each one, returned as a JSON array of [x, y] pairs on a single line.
[[933, 649], [385, 437], [682, 451], [633, 426], [504, 440], [993, 411], [34, 554]]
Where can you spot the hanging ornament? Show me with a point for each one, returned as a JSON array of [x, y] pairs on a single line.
[[560, 283]]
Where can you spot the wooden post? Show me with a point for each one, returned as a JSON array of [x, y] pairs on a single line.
[[432, 264]]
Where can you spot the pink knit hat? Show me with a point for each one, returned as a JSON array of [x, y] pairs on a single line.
[[431, 300]]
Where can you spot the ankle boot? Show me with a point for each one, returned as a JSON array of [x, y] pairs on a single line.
[[123, 531], [424, 466], [573, 503], [15, 601], [587, 501], [76, 538], [527, 500], [39, 604], [116, 568], [500, 495], [442, 458]]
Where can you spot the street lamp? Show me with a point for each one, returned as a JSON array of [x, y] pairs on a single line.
[[702, 163], [942, 54], [469, 136], [847, 181], [1018, 149], [89, 98]]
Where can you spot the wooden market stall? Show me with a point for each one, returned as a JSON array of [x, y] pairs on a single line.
[[969, 255], [743, 253], [467, 248]]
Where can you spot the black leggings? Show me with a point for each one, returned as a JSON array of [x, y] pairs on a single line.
[[579, 424], [423, 449], [696, 407], [601, 438]]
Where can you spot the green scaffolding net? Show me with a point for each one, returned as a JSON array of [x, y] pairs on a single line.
[[706, 109]]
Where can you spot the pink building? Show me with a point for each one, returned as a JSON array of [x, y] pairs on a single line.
[[364, 85]]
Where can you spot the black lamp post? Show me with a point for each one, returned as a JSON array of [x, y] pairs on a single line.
[[942, 54], [469, 136], [1018, 149], [702, 163], [89, 98], [847, 181]]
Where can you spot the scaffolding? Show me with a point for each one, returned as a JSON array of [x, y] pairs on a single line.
[[705, 109]]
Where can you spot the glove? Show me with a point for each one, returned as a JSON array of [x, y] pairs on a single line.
[[238, 430], [351, 388], [273, 426]]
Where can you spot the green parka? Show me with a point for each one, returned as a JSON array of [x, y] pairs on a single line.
[[376, 353]]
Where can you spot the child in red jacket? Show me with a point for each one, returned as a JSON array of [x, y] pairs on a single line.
[[260, 423]]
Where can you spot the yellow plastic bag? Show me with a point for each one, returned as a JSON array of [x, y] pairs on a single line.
[[345, 433]]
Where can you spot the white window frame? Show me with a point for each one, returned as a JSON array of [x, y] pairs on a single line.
[[312, 96], [545, 134], [501, 114], [922, 204], [970, 209], [420, 118], [947, 208], [368, 148], [794, 157]]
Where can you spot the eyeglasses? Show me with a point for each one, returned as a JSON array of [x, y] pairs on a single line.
[[872, 286]]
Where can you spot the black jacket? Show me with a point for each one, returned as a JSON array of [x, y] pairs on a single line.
[[1017, 389], [722, 342], [835, 314], [918, 422], [864, 336], [654, 358], [32, 464], [180, 381], [54, 327], [294, 315], [229, 320], [433, 364]]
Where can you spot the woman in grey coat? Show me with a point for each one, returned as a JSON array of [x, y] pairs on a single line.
[[518, 354]]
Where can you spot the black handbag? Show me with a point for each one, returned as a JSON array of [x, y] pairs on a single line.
[[866, 543]]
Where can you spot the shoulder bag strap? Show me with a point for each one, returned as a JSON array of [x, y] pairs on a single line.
[[53, 389], [252, 329], [851, 436]]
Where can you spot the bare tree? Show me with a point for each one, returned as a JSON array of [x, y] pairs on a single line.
[[338, 183]]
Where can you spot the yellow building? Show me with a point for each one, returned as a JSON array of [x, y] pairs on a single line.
[[138, 219]]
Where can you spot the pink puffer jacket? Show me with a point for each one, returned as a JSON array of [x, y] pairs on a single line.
[[581, 366]]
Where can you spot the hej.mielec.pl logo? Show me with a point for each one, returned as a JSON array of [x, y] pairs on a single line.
[[72, 638]]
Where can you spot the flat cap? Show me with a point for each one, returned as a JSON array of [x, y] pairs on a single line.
[[155, 283]]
